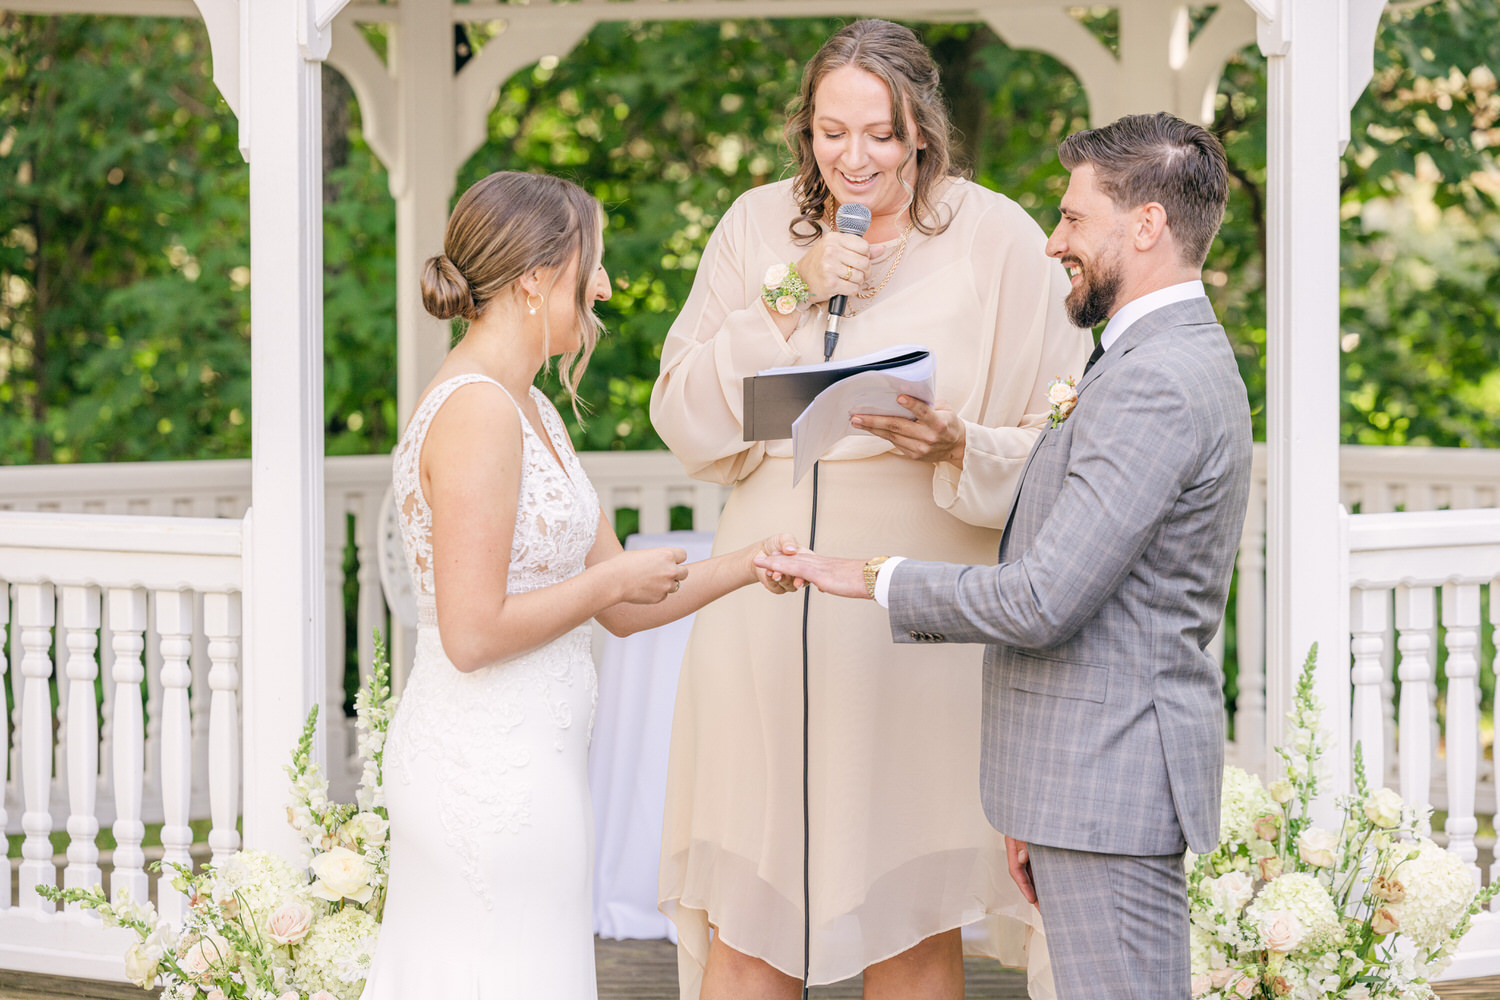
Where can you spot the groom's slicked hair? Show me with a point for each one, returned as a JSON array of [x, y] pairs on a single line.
[[1139, 159]]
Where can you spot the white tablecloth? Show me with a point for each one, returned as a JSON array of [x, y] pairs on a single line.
[[628, 762]]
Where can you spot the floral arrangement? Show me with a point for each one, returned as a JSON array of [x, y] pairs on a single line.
[[1062, 393], [259, 927], [1287, 909]]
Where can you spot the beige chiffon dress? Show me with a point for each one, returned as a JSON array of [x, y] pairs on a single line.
[[901, 849]]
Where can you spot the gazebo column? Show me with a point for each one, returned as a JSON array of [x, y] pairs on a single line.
[[1319, 55], [422, 172], [269, 51]]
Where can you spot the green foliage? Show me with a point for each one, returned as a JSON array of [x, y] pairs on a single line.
[[124, 326], [124, 315]]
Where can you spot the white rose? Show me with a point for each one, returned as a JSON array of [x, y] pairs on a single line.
[[1060, 392], [365, 827], [1282, 791], [1281, 931], [1232, 892], [214, 993], [1383, 808], [341, 873], [775, 275], [290, 923], [1317, 847], [322, 995], [140, 965], [1200, 985]]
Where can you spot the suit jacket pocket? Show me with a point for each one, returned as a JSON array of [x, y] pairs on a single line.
[[1058, 678]]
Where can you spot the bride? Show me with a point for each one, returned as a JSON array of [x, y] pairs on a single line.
[[486, 783]]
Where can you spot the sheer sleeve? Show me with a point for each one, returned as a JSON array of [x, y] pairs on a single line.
[[1033, 342], [723, 333]]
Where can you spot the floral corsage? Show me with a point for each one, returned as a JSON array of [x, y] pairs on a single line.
[[783, 288], [1062, 393]]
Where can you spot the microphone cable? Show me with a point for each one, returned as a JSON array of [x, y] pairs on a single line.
[[854, 218]]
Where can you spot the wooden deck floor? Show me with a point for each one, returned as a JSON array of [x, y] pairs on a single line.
[[647, 970]]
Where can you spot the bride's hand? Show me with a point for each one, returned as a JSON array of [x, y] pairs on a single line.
[[782, 544], [648, 576]]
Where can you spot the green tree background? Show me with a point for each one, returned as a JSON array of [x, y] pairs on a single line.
[[124, 325]]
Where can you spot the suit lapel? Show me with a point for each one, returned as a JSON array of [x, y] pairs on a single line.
[[1192, 312]]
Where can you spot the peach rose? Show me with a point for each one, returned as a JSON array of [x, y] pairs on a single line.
[[1281, 931], [1270, 868], [290, 923]]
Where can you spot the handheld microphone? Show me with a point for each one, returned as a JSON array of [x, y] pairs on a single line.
[[852, 218]]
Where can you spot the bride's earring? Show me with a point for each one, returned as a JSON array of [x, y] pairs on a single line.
[[533, 308]]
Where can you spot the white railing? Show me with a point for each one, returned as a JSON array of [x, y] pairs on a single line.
[[83, 586], [1373, 481], [1426, 577]]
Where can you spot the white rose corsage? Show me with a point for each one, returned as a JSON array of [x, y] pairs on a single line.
[[783, 288], [1062, 393]]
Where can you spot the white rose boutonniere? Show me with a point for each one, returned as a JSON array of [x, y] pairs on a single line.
[[1062, 393]]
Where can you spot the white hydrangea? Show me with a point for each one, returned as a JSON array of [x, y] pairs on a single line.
[[1304, 898], [1438, 892], [259, 880], [1243, 800], [337, 944]]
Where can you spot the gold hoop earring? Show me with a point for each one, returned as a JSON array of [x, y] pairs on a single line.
[[533, 308]]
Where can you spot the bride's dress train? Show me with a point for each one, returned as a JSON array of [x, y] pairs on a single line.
[[486, 772]]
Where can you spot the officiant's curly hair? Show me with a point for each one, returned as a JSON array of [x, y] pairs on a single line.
[[1139, 159], [893, 54], [505, 226]]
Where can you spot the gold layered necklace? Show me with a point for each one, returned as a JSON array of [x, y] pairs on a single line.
[[867, 291]]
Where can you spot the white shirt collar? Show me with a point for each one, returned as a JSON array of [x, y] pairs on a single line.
[[1148, 303]]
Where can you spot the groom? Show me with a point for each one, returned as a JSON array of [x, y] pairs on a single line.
[[1103, 716]]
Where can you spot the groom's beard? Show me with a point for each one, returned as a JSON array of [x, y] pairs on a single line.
[[1093, 300]]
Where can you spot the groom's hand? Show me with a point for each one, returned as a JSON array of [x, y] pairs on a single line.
[[1020, 867], [839, 577]]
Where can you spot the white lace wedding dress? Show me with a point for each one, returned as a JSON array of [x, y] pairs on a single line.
[[486, 772]]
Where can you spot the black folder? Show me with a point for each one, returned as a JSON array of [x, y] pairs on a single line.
[[776, 397]]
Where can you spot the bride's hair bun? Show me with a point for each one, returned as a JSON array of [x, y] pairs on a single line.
[[445, 290]]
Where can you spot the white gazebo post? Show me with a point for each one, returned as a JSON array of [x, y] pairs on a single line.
[[1320, 55], [267, 56]]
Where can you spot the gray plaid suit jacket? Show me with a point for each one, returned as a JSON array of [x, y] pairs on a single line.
[[1103, 712]]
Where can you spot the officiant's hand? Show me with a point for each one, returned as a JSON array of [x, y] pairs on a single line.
[[931, 434], [1019, 857], [839, 577]]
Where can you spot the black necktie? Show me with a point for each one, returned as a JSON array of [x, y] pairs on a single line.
[[1098, 353]]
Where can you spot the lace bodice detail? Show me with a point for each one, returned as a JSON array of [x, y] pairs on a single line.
[[557, 511], [481, 739]]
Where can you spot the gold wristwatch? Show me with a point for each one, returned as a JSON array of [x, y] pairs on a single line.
[[872, 572]]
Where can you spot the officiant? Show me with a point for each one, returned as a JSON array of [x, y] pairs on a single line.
[[900, 855]]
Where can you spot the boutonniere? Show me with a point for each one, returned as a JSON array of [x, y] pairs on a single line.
[[1063, 394]]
